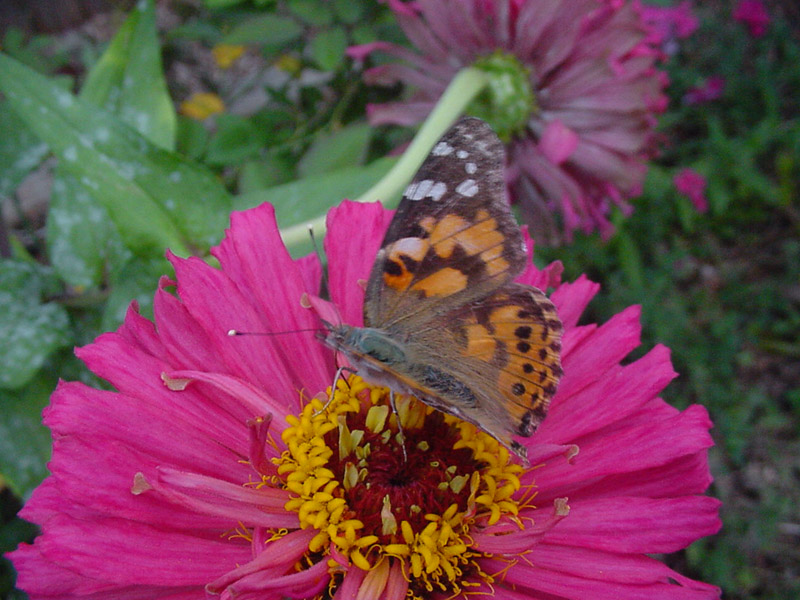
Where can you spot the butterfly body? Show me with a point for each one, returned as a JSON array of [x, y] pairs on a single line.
[[444, 320]]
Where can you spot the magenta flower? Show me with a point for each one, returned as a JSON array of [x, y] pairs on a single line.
[[213, 470], [753, 14], [692, 185], [670, 23], [712, 89], [582, 95]]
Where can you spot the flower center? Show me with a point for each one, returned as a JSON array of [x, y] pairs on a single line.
[[377, 492], [508, 100]]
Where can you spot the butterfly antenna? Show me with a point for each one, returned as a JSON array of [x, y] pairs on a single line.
[[237, 333]]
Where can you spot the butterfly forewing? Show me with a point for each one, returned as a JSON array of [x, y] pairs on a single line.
[[453, 238]]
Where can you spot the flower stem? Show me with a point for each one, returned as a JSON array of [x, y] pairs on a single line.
[[464, 87]]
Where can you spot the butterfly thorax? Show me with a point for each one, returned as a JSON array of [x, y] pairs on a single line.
[[370, 351]]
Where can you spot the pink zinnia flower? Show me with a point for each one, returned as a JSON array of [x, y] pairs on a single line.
[[753, 14], [711, 90], [692, 185], [210, 471], [579, 145]]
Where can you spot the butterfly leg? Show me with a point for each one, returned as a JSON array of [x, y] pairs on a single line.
[[402, 436], [336, 379]]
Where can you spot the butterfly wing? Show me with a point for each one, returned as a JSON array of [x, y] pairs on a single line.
[[453, 238], [495, 362], [443, 319]]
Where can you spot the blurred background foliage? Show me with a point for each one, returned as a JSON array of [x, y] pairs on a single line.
[[220, 105]]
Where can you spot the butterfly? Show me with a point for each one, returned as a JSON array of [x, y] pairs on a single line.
[[444, 319]]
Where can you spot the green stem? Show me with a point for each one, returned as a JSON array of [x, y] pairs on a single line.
[[464, 87]]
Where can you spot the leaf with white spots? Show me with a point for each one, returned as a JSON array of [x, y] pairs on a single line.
[[20, 152], [82, 242], [129, 81], [136, 280], [31, 329], [134, 180]]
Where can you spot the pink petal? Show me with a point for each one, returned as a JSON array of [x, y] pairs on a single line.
[[620, 392], [353, 225], [126, 553], [558, 142], [637, 525], [253, 255]]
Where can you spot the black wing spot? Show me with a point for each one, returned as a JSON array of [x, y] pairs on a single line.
[[410, 263], [527, 367], [523, 347], [417, 231], [543, 353], [517, 389], [523, 332], [392, 268]]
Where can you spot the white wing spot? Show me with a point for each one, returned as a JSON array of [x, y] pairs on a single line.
[[442, 149], [467, 188], [462, 154], [438, 190], [417, 189], [427, 188], [470, 168]]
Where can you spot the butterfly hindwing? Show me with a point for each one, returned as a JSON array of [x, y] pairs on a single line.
[[496, 362]]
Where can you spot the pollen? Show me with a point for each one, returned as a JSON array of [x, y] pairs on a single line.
[[374, 495]]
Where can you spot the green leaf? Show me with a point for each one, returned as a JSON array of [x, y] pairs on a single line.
[[349, 11], [155, 198], [343, 148], [192, 138], [24, 441], [82, 242], [630, 260], [303, 200], [261, 174], [128, 80], [328, 47], [312, 12], [235, 141], [220, 4], [31, 329], [137, 280], [265, 29], [20, 152]]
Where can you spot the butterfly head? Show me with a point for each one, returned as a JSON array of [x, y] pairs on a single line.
[[364, 343]]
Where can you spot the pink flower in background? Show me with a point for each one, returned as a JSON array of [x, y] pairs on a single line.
[[670, 22], [753, 14], [692, 185], [712, 89], [589, 65], [195, 477]]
